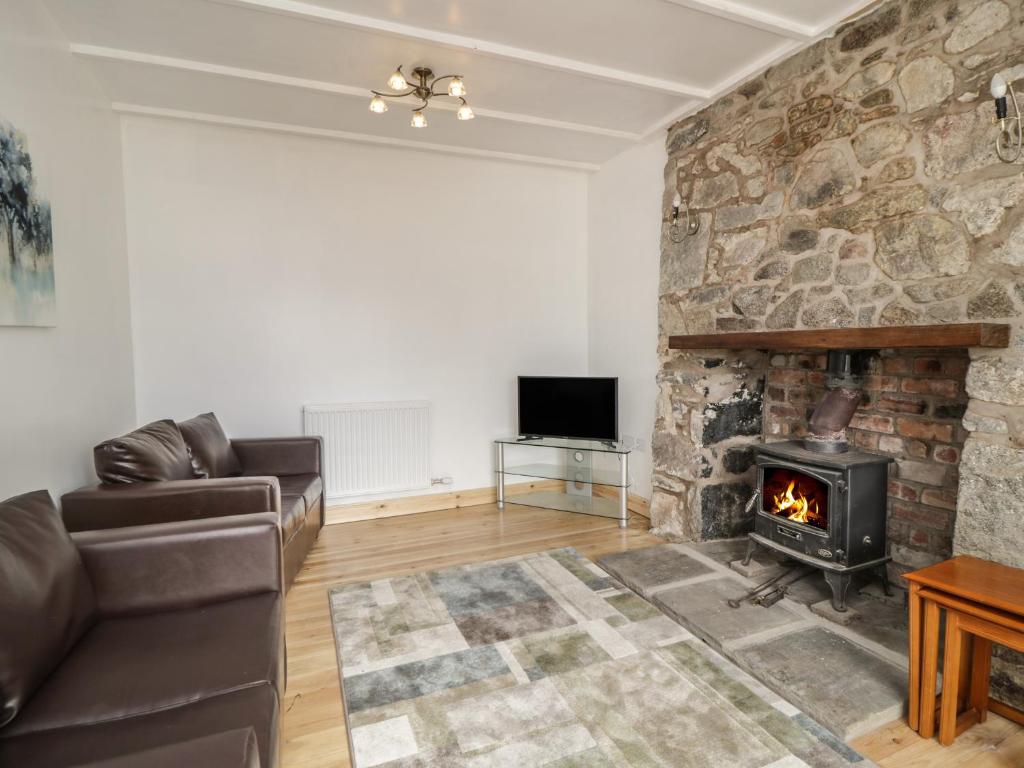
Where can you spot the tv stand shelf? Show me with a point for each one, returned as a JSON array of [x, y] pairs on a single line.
[[579, 464]]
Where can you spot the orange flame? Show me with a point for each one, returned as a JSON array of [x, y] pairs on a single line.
[[797, 508]]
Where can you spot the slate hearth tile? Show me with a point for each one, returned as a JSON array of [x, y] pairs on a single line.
[[845, 687], [644, 569], [511, 621], [703, 608]]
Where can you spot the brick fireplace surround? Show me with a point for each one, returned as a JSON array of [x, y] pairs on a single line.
[[854, 184]]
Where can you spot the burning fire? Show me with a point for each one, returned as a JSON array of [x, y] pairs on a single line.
[[798, 508]]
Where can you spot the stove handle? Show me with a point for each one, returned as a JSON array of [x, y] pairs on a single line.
[[750, 503]]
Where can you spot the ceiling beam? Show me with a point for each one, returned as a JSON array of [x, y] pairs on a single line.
[[323, 86], [361, 138], [737, 78], [319, 13], [753, 17]]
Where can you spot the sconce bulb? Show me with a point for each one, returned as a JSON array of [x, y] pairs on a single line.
[[677, 201], [465, 112], [378, 105], [998, 86], [397, 81], [456, 87], [419, 120]]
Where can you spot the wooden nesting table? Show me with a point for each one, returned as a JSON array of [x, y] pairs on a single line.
[[984, 604]]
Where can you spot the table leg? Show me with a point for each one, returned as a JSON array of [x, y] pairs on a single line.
[[929, 669], [981, 668], [624, 493], [499, 460], [914, 655], [950, 678]]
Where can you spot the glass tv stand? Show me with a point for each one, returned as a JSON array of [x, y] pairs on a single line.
[[587, 476]]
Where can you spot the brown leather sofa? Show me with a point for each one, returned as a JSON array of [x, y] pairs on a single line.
[[154, 645], [164, 472]]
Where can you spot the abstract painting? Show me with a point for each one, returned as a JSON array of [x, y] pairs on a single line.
[[27, 291]]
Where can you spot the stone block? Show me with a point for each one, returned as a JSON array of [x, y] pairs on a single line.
[[849, 690], [756, 569], [704, 610], [824, 609], [982, 22], [645, 569]]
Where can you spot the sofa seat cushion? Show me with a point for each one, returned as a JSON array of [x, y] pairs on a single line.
[[151, 453], [135, 665], [232, 749], [293, 516], [308, 486], [209, 448], [256, 707], [46, 598]]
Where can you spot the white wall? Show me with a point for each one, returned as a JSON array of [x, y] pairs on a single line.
[[270, 271], [64, 389], [624, 199]]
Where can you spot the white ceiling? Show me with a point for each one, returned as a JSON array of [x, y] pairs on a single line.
[[560, 82]]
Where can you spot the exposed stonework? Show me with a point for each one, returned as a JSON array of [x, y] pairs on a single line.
[[854, 183]]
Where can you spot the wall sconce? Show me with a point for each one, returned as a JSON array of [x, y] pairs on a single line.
[[692, 225], [1011, 134]]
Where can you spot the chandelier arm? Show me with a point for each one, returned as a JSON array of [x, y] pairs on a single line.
[[394, 95]]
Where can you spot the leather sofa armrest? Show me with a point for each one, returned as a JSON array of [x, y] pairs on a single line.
[[174, 566], [280, 455], [120, 505]]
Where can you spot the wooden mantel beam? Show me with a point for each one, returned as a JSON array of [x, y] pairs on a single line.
[[995, 335]]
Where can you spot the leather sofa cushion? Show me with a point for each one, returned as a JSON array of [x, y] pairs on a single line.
[[256, 707], [151, 453], [209, 448], [293, 516], [308, 486], [46, 599], [232, 749], [137, 665]]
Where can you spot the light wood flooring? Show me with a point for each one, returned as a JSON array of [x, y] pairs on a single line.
[[314, 723]]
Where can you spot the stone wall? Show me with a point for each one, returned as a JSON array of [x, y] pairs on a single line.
[[854, 184]]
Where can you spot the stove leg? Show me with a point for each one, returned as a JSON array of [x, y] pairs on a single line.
[[839, 582], [885, 580], [751, 546]]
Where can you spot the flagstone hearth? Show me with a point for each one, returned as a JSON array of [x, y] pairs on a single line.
[[851, 677]]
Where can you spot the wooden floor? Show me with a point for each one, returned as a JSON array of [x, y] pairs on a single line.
[[314, 724]]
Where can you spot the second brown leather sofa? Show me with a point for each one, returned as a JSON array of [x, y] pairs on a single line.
[[165, 472], [153, 645]]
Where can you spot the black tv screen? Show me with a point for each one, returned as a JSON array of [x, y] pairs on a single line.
[[576, 407]]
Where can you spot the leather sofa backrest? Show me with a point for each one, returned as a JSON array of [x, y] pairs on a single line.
[[209, 448], [154, 452], [46, 598]]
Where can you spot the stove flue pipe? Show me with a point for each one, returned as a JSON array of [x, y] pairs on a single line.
[[831, 417]]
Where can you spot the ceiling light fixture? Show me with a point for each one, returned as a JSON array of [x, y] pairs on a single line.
[[424, 88]]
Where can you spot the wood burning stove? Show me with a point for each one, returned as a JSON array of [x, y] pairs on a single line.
[[825, 510], [820, 502]]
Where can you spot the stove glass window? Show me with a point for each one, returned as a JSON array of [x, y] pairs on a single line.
[[795, 496]]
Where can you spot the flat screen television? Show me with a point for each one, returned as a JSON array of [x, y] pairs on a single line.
[[581, 408]]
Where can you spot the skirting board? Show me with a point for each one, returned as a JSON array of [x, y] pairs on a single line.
[[432, 502]]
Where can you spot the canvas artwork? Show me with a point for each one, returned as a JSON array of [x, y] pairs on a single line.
[[27, 291]]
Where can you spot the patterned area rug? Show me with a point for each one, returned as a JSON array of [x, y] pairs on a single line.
[[545, 660]]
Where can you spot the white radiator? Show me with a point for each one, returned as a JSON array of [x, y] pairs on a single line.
[[372, 448]]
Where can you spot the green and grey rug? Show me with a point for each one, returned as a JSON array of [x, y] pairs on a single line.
[[545, 660]]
